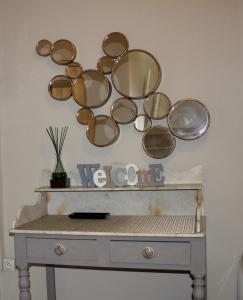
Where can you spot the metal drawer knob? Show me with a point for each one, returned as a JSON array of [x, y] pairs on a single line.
[[148, 252], [59, 249]]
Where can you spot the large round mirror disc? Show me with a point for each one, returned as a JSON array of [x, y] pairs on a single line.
[[84, 115], [60, 87], [157, 106], [73, 70], [92, 89], [124, 110], [188, 119], [63, 52], [142, 123], [43, 47], [102, 131], [136, 74], [115, 44], [158, 142], [105, 64]]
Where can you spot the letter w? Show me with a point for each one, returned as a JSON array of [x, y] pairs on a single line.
[[86, 172]]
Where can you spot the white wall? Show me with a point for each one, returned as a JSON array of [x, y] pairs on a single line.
[[1, 125], [198, 46], [2, 84]]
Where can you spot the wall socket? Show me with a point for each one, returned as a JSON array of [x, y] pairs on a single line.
[[8, 264]]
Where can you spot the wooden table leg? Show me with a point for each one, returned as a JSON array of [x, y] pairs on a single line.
[[50, 283], [199, 288], [24, 283]]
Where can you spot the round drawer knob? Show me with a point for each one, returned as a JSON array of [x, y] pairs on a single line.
[[148, 252], [59, 249]]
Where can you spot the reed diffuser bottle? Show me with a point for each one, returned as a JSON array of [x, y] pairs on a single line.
[[59, 176]]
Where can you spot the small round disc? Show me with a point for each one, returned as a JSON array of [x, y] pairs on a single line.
[[43, 47], [63, 52], [159, 142], [142, 123], [157, 106], [115, 44], [60, 88], [124, 110], [73, 70], [105, 64], [102, 131], [84, 115]]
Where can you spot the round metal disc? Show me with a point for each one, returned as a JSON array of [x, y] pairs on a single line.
[[188, 119], [60, 87], [142, 123], [84, 115], [63, 52], [92, 89], [157, 106], [105, 64], [73, 70], [136, 74], [158, 142], [102, 131], [43, 47], [115, 44], [124, 110]]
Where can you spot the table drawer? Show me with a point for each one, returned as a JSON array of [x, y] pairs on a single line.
[[85, 250], [162, 253]]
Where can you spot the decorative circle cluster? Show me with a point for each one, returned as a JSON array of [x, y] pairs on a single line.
[[136, 75]]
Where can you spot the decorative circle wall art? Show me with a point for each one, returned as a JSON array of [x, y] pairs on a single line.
[[102, 131], [157, 106], [84, 115], [60, 88], [63, 52], [43, 47], [188, 119], [105, 64], [159, 142], [124, 110], [136, 75], [142, 123], [73, 70], [115, 44]]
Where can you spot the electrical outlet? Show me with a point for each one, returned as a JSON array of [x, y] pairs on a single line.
[[8, 264]]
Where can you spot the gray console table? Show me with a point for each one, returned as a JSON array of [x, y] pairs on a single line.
[[162, 243]]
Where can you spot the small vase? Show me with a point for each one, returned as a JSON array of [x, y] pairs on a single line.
[[59, 171], [59, 176]]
